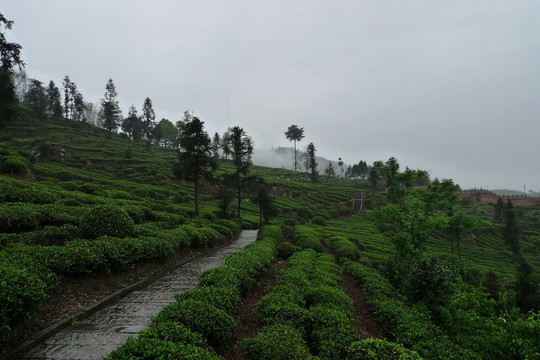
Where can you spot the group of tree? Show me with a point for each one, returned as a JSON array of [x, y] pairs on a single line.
[[10, 57], [197, 155], [295, 134]]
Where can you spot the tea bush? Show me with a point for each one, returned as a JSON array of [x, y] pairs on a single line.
[[212, 323], [152, 348], [285, 250], [307, 238], [15, 165], [107, 220], [277, 342], [375, 349]]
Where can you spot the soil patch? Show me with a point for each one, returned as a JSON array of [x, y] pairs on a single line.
[[365, 324], [247, 322], [77, 292]]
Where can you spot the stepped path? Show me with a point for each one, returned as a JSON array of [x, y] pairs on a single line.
[[106, 329]]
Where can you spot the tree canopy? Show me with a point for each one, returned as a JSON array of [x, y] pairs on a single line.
[[294, 133], [239, 146]]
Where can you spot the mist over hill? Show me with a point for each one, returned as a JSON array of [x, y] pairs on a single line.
[[283, 158]]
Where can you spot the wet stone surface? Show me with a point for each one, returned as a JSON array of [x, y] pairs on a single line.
[[100, 333]]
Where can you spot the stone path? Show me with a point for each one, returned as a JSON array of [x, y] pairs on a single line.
[[103, 331]]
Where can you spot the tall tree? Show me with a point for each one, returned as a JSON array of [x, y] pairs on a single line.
[[239, 146], [36, 97], [148, 119], [10, 56], [54, 102], [330, 170], [166, 132], [499, 210], [374, 178], [110, 112], [460, 224], [68, 98], [132, 125], [195, 161], [216, 145], [294, 133], [312, 163], [340, 164], [267, 209], [78, 104], [510, 229]]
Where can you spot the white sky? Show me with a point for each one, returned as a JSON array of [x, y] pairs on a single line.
[[448, 86]]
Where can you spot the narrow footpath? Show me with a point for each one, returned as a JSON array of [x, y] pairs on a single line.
[[105, 330]]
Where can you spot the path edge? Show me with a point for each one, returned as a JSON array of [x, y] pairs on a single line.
[[100, 304]]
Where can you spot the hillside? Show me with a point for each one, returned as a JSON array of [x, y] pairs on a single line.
[[75, 201]]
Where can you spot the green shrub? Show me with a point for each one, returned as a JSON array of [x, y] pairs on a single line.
[[151, 348], [307, 238], [285, 250], [15, 165], [107, 220], [52, 235], [223, 230], [344, 210], [17, 218], [212, 323], [21, 290], [329, 296], [277, 342], [175, 332], [225, 298], [344, 249], [230, 224], [304, 212], [318, 220], [211, 235], [375, 349]]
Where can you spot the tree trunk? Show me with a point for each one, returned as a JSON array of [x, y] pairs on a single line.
[[196, 185], [294, 155], [239, 194]]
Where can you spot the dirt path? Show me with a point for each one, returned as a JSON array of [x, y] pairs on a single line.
[[365, 323], [247, 324]]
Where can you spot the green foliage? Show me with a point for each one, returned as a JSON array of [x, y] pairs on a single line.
[[107, 220], [374, 349], [151, 348], [318, 220], [225, 298], [212, 323], [285, 250], [15, 165], [344, 248], [304, 212], [307, 238], [276, 342], [175, 332], [21, 291]]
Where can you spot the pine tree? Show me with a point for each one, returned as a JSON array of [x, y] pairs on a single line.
[[312, 163], [148, 119], [110, 112], [10, 56], [195, 161], [54, 102], [239, 146]]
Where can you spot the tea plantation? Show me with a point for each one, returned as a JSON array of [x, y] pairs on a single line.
[[74, 200]]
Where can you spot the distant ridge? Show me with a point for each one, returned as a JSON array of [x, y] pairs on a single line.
[[489, 197]]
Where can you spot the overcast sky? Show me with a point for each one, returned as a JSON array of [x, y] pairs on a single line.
[[452, 87]]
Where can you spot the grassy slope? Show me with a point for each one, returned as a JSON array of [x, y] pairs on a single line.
[[80, 163]]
